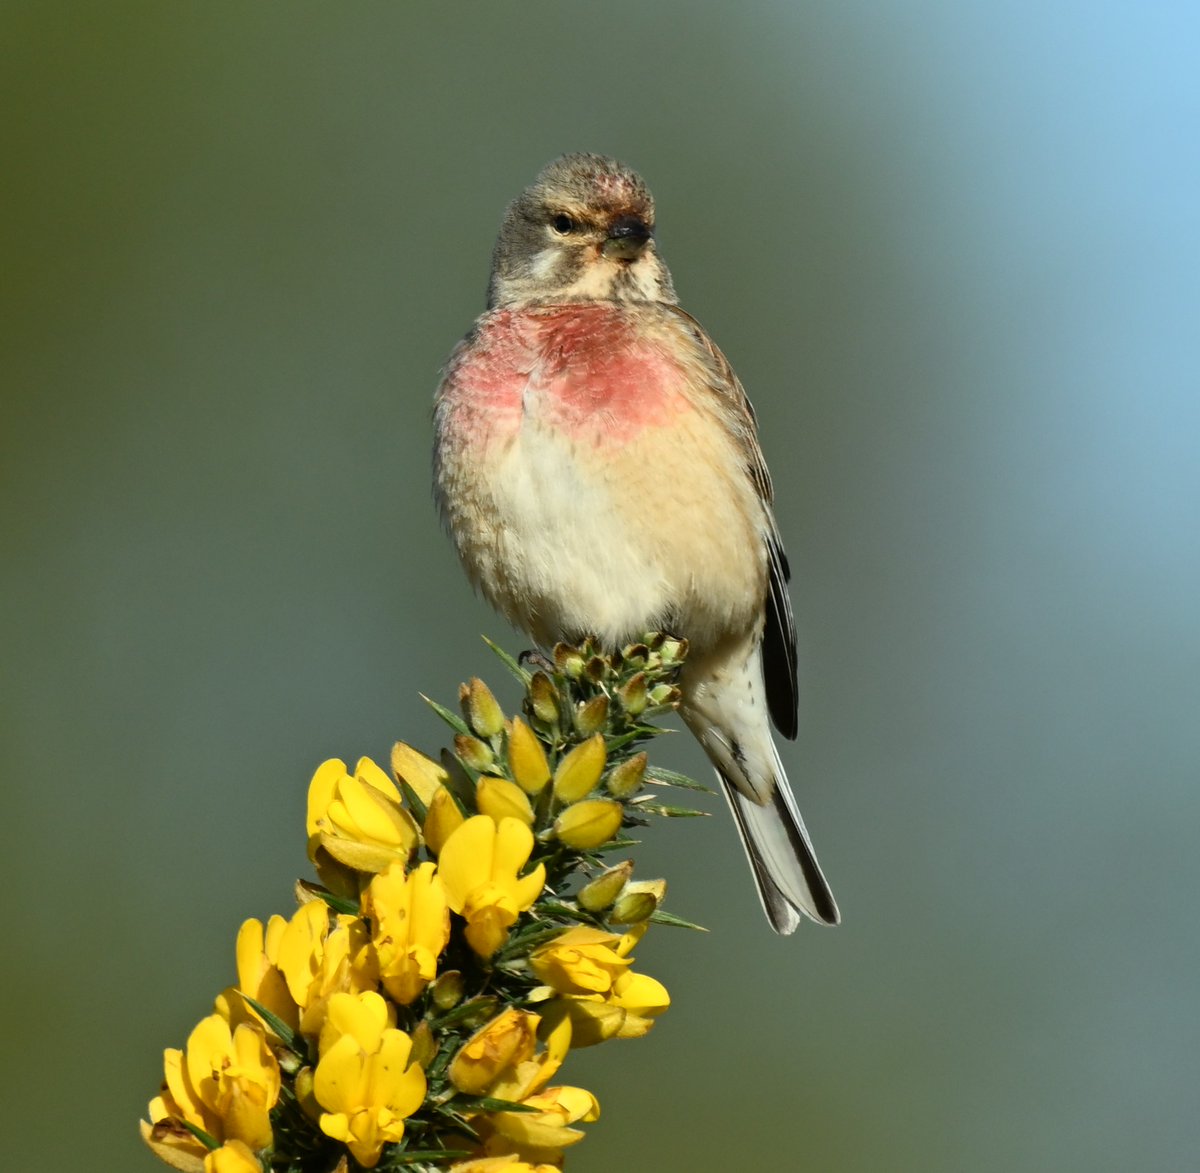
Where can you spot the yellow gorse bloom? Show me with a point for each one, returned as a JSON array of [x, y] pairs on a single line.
[[318, 959], [225, 1082], [364, 1081], [358, 818], [602, 996], [506, 1164], [411, 927], [232, 1157], [479, 866], [353, 1026], [580, 961], [259, 977], [502, 1059]]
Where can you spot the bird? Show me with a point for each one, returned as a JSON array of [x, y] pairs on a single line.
[[597, 465]]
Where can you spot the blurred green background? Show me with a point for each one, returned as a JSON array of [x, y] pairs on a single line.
[[951, 249]]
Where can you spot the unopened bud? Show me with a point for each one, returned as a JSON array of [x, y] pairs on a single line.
[[590, 717], [673, 650], [639, 899], [424, 1048], [624, 780], [498, 798], [568, 661], [599, 893], [633, 694], [441, 820], [475, 753], [578, 774], [526, 758], [481, 709], [543, 698], [447, 991], [588, 824]]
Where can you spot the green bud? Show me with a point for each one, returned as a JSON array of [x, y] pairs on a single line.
[[543, 698], [477, 754], [590, 717], [633, 694], [638, 901], [447, 990], [599, 893], [624, 780], [568, 661]]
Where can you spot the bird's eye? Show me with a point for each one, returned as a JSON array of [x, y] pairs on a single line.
[[563, 224]]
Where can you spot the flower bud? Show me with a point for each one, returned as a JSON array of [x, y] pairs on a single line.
[[589, 717], [526, 758], [588, 824], [447, 990], [578, 774], [673, 650], [633, 694], [424, 1048], [482, 711], [499, 798], [638, 901], [543, 698], [664, 694], [635, 655], [624, 780], [599, 893], [568, 661], [441, 820], [475, 753]]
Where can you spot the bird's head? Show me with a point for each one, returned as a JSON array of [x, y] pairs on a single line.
[[582, 231]]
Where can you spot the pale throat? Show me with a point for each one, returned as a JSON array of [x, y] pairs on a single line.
[[600, 278]]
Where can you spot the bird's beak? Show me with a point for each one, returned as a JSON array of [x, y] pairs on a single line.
[[627, 237]]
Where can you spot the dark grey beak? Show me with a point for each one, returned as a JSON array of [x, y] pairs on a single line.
[[627, 237]]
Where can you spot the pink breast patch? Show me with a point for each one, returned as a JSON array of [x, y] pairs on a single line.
[[588, 370]]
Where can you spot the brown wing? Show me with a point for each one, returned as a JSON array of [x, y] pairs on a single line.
[[779, 632]]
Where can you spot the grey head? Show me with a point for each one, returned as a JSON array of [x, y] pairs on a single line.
[[582, 231]]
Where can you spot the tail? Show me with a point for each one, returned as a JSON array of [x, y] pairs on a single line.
[[725, 707], [789, 878]]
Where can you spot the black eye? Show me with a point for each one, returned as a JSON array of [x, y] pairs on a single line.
[[563, 224]]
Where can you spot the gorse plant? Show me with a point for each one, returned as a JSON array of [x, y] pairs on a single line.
[[467, 932]]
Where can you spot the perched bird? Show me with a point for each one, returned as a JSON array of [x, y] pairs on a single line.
[[598, 467]]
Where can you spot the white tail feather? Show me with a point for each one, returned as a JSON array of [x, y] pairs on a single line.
[[725, 707]]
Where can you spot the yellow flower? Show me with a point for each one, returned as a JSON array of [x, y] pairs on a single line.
[[505, 1164], [318, 960], [547, 1128], [580, 961], [259, 977], [602, 996], [225, 1082], [498, 1054], [364, 1081], [502, 1060], [423, 775], [411, 927], [479, 866], [232, 1157], [358, 819], [587, 824]]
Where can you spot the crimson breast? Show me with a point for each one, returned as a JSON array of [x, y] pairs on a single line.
[[591, 371]]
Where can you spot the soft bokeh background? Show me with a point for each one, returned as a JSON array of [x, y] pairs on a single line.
[[952, 251]]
